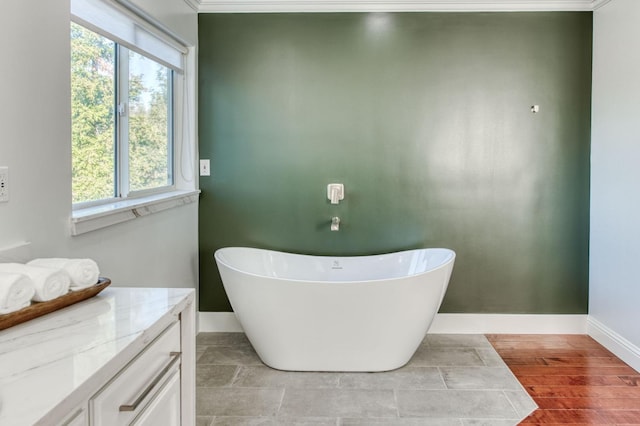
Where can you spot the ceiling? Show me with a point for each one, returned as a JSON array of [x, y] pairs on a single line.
[[264, 6]]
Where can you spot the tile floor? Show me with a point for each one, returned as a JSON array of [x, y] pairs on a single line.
[[451, 380]]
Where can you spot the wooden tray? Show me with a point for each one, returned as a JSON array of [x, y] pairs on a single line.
[[37, 309]]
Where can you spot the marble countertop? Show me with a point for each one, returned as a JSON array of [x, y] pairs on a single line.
[[55, 362]]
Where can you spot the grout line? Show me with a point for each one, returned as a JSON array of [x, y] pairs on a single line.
[[515, 409], [480, 356], [442, 378], [235, 376], [281, 401], [395, 399]]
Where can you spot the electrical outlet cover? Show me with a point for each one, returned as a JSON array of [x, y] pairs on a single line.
[[4, 184]]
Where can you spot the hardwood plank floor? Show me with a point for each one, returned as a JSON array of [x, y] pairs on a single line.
[[573, 379]]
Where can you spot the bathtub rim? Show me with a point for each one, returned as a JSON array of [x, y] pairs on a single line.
[[449, 260]]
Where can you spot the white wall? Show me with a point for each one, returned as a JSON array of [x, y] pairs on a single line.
[[156, 250], [615, 173]]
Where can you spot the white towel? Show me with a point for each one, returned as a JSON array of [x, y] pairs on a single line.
[[16, 291], [83, 272], [49, 282]]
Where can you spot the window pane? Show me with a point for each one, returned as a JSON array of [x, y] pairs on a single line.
[[150, 138], [93, 122]]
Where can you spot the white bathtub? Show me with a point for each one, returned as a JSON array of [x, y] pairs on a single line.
[[314, 313]]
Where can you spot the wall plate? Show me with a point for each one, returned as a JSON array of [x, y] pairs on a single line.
[[4, 184]]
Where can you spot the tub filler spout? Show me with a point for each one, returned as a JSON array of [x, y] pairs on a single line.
[[335, 223]]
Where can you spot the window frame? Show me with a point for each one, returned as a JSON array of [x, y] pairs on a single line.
[[121, 173], [92, 215]]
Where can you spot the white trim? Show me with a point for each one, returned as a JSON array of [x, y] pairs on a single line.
[[448, 323], [621, 347], [188, 364], [218, 322], [509, 324], [92, 218], [265, 6]]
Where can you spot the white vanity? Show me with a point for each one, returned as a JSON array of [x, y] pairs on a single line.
[[125, 356]]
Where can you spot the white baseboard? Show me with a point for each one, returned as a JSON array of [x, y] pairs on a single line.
[[621, 347], [448, 323], [508, 324], [218, 322]]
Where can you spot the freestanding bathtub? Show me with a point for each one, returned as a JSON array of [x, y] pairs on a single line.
[[316, 313]]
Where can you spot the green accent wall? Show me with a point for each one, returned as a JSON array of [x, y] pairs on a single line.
[[426, 119]]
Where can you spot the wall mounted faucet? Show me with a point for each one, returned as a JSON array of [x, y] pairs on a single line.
[[335, 192], [335, 223]]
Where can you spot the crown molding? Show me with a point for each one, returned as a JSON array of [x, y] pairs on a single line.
[[273, 6]]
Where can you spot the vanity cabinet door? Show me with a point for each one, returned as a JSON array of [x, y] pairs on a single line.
[[165, 407], [125, 397]]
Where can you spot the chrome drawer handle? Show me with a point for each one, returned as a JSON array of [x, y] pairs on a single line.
[[134, 406]]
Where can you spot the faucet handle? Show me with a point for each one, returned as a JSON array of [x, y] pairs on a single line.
[[335, 192]]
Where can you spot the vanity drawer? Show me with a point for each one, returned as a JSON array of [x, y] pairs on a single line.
[[165, 408], [127, 394]]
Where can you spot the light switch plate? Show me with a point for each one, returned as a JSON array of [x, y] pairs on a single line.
[[205, 167]]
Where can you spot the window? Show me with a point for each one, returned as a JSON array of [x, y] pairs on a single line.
[[122, 120], [133, 127], [93, 124]]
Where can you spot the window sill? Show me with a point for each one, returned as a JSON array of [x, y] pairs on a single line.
[[92, 218]]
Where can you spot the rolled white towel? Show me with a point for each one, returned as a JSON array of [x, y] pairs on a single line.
[[48, 282], [16, 291], [83, 272]]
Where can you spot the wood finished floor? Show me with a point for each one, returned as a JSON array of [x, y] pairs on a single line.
[[572, 378]]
